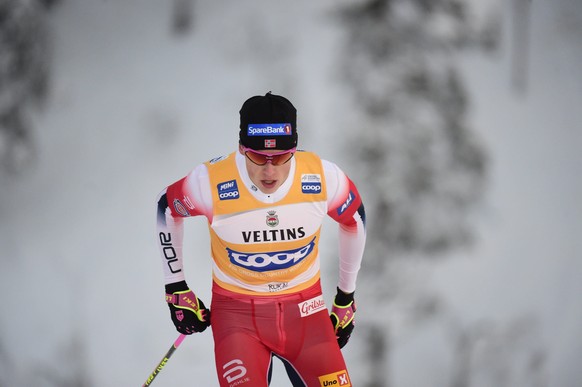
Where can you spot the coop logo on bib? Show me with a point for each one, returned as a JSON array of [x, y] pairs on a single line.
[[268, 261]]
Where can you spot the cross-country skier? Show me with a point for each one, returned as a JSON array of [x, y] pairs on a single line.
[[265, 204]]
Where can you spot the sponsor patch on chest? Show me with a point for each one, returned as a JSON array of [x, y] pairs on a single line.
[[228, 190], [310, 183]]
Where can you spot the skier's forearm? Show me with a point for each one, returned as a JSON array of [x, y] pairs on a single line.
[[170, 231], [351, 250]]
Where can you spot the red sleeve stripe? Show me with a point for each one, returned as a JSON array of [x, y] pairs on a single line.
[[344, 212]]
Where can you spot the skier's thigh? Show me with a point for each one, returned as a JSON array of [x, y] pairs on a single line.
[[241, 358]]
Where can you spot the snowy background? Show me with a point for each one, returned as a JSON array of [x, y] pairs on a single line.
[[134, 103]]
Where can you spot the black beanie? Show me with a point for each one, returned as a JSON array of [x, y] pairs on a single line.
[[268, 122]]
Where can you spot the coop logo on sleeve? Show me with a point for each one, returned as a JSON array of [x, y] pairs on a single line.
[[310, 183], [228, 190], [336, 379]]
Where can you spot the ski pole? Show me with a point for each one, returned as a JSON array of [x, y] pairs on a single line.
[[162, 363]]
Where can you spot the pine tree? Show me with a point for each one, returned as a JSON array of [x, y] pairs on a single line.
[[423, 168], [23, 77]]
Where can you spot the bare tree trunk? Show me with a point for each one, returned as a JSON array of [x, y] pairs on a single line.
[[462, 362], [377, 353], [520, 51], [182, 16], [16, 145]]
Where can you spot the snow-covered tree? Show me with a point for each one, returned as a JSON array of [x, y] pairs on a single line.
[[401, 67], [23, 76], [423, 169]]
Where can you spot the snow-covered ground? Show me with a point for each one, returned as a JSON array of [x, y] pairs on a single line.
[[133, 108]]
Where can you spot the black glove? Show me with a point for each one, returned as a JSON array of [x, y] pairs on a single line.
[[188, 312], [342, 316]]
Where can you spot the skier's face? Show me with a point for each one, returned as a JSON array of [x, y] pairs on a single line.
[[268, 178]]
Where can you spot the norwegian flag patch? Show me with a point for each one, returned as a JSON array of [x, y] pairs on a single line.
[[270, 143]]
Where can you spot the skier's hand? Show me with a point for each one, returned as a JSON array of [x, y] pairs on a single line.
[[188, 312], [342, 316]]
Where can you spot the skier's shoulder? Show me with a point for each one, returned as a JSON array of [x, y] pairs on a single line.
[[219, 160]]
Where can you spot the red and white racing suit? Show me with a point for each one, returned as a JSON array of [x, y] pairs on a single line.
[[266, 295]]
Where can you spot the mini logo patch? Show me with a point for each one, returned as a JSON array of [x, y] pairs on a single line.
[[311, 306], [336, 379], [270, 143], [228, 190]]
